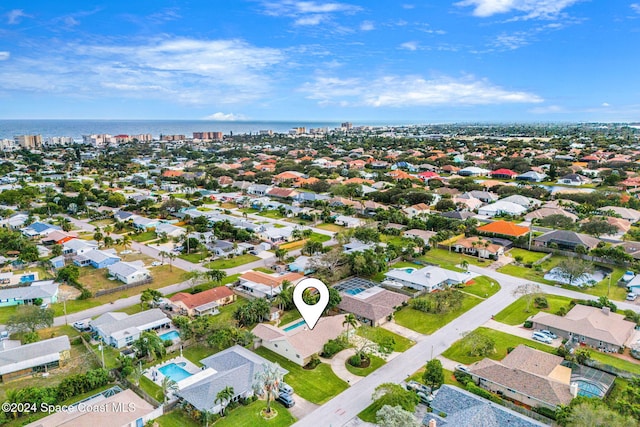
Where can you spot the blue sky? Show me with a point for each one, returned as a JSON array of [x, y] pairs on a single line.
[[385, 61]]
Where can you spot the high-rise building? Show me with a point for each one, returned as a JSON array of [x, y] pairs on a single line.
[[143, 137], [29, 142], [208, 136], [98, 140], [346, 125], [173, 137], [58, 140]]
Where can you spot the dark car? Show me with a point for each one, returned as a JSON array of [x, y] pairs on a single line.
[[286, 400]]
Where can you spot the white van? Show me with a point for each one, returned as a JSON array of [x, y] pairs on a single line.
[[539, 336]]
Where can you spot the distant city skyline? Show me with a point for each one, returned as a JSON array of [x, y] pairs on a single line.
[[288, 60]]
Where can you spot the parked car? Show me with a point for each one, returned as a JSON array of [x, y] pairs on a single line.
[[631, 296], [418, 387], [286, 400], [156, 263], [462, 368], [4, 335], [285, 388], [44, 305], [548, 333], [82, 325], [425, 398], [542, 337]]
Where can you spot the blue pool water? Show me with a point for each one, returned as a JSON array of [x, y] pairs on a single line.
[[409, 270], [295, 325], [28, 278], [355, 291], [588, 389], [173, 335], [175, 372]]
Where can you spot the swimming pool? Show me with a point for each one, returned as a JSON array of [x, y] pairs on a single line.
[[170, 336], [175, 371], [28, 278], [588, 389], [295, 325], [408, 270], [355, 291]]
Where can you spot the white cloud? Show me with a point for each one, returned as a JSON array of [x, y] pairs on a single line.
[[15, 16], [548, 109], [307, 13], [188, 71], [367, 26], [408, 6], [409, 45], [530, 9], [225, 117], [411, 91], [635, 7], [4, 55], [70, 21], [606, 104]]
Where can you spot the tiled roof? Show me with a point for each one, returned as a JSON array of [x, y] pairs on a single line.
[[196, 300], [504, 228], [268, 280]]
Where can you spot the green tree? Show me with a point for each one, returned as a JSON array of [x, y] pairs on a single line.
[[216, 276], [582, 355], [149, 346], [168, 386], [528, 292], [268, 381], [148, 296], [281, 254], [334, 300], [476, 344], [56, 250], [395, 395], [596, 414], [572, 269], [28, 318], [598, 227], [350, 321], [433, 374], [223, 397], [395, 416]]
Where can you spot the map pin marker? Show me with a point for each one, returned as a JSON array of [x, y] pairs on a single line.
[[311, 313]]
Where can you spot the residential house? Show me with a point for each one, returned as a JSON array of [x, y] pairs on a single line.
[[427, 175], [222, 248], [473, 171], [202, 303], [301, 265], [276, 235], [282, 193], [574, 179], [129, 272], [357, 246], [349, 221], [483, 196], [467, 202], [45, 290], [39, 229], [455, 407], [235, 367], [15, 222], [373, 306], [261, 285], [592, 326], [461, 215], [543, 212], [531, 176], [123, 409], [531, 377], [120, 329], [526, 202], [287, 176], [503, 174], [477, 246], [504, 228], [75, 247], [420, 209], [502, 208], [299, 343], [40, 356], [143, 223], [170, 230], [97, 258], [124, 216], [629, 214], [259, 189], [427, 279], [566, 240], [57, 262], [415, 233], [57, 237]]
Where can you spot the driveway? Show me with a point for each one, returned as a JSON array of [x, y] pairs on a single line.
[[338, 366], [402, 331], [302, 408], [517, 331]]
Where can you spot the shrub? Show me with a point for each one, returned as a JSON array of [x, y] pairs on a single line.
[[518, 258], [332, 347], [540, 302], [471, 387], [545, 411], [528, 324], [462, 377], [510, 349], [355, 361]]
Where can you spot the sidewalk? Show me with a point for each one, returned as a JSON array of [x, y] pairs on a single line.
[[403, 332]]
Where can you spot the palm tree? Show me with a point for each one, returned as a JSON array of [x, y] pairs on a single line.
[[126, 241], [223, 397], [268, 380], [281, 254], [171, 257], [349, 320], [108, 230], [168, 385], [163, 255], [465, 265], [216, 276]]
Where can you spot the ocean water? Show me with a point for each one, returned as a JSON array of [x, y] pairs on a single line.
[[77, 128]]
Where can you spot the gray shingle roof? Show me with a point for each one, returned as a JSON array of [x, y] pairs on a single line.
[[30, 355], [41, 289], [133, 321]]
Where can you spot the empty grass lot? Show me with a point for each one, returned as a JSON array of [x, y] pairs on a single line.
[[273, 214], [317, 385], [222, 264], [482, 286], [531, 273], [176, 418], [516, 314], [428, 323], [528, 257], [330, 227], [143, 237], [194, 257], [376, 362], [250, 416], [378, 334], [502, 340], [451, 260]]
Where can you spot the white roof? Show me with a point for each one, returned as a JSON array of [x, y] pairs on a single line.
[[129, 325], [502, 206], [40, 289], [125, 269], [427, 277], [35, 354]]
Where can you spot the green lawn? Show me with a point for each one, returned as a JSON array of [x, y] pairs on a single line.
[[317, 237], [144, 236], [614, 292], [177, 418], [221, 264], [528, 257], [515, 313], [290, 316], [377, 334], [136, 308], [330, 227], [427, 323], [197, 352], [379, 277], [376, 362], [616, 362], [250, 416], [194, 257], [451, 260], [482, 286], [368, 414], [248, 210], [273, 214], [264, 270], [152, 389], [502, 340], [6, 312], [530, 273], [317, 385], [448, 377]]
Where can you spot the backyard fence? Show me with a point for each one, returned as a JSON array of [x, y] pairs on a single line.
[[123, 287]]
